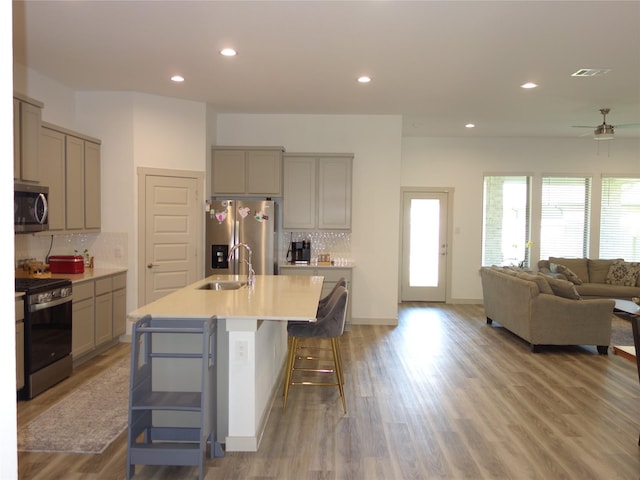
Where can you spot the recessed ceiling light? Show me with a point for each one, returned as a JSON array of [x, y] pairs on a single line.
[[364, 79], [529, 85], [470, 125], [228, 52], [177, 78]]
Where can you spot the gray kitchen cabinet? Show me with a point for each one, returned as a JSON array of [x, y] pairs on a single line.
[[119, 304], [19, 343], [83, 324], [331, 276], [299, 200], [104, 310], [99, 314], [71, 164], [92, 191], [244, 171], [317, 191], [52, 154], [27, 118]]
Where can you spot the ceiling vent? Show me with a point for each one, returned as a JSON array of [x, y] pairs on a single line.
[[591, 72]]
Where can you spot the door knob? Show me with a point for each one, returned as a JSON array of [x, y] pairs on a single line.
[[151, 265]]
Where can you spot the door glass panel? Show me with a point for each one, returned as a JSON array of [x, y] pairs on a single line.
[[424, 236]]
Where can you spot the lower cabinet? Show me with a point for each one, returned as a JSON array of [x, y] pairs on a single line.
[[119, 304], [331, 276], [83, 327], [104, 310], [99, 313]]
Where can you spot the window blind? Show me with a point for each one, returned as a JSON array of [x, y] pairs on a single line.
[[620, 218], [565, 213]]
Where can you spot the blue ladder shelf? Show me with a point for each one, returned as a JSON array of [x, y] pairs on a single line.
[[148, 444]]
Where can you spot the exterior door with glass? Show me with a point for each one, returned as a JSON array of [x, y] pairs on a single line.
[[424, 246]]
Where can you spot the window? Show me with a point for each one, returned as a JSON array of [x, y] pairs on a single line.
[[505, 225], [564, 222], [620, 218]]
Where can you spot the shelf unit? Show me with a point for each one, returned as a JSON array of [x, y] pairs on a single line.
[[154, 439]]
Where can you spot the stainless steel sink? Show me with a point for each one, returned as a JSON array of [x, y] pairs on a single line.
[[222, 285]]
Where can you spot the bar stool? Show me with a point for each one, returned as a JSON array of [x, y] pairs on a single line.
[[328, 326], [325, 301], [323, 305]]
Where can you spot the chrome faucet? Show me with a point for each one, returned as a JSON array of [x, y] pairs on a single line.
[[252, 274]]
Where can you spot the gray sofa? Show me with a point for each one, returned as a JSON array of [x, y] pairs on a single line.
[[530, 307], [590, 276]]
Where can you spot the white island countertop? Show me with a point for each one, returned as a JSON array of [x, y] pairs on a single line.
[[272, 297]]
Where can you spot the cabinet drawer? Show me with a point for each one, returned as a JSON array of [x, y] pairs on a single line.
[[103, 285], [119, 281], [82, 291]]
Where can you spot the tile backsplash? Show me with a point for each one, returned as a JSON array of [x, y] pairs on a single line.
[[338, 244], [109, 249]]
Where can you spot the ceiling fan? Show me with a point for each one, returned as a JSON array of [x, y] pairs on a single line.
[[605, 131]]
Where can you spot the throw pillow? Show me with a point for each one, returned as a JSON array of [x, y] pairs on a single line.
[[572, 277], [599, 268], [555, 273], [543, 285], [623, 273], [579, 266], [563, 288]]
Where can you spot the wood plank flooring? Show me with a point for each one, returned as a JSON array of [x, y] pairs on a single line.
[[442, 395]]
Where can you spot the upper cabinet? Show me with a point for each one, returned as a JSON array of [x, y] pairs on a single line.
[[27, 118], [248, 172], [317, 191], [71, 164]]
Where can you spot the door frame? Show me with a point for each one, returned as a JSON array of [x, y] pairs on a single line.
[[143, 173], [449, 191]]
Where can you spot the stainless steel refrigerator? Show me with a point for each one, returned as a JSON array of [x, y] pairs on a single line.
[[229, 222]]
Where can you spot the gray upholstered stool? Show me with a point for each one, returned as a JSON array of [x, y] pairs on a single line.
[[329, 326], [326, 301]]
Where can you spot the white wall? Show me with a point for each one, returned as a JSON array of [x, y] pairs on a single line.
[[462, 162], [8, 435], [376, 144], [60, 99], [139, 130]]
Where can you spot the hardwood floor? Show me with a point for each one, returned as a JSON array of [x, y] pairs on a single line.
[[442, 395]]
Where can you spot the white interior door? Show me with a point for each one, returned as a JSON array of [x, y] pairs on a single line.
[[424, 246], [172, 216]]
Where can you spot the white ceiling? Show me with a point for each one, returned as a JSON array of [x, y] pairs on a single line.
[[438, 64]]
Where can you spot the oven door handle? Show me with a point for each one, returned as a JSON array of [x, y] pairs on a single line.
[[52, 303]]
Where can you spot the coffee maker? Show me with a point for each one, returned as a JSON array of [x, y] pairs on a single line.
[[300, 252]]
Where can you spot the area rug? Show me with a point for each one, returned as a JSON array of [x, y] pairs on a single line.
[[85, 421], [621, 333]]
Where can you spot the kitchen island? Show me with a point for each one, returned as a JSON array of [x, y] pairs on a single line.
[[252, 345]]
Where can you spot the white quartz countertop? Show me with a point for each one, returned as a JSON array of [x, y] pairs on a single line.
[[272, 297]]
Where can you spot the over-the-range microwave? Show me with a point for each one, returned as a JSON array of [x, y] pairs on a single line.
[[30, 208]]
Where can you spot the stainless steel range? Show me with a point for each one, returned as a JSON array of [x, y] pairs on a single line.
[[47, 333]]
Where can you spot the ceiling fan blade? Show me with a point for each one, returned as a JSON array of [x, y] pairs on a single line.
[[628, 125], [582, 126], [586, 135]]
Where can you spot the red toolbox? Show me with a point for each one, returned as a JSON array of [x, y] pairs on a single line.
[[66, 264]]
